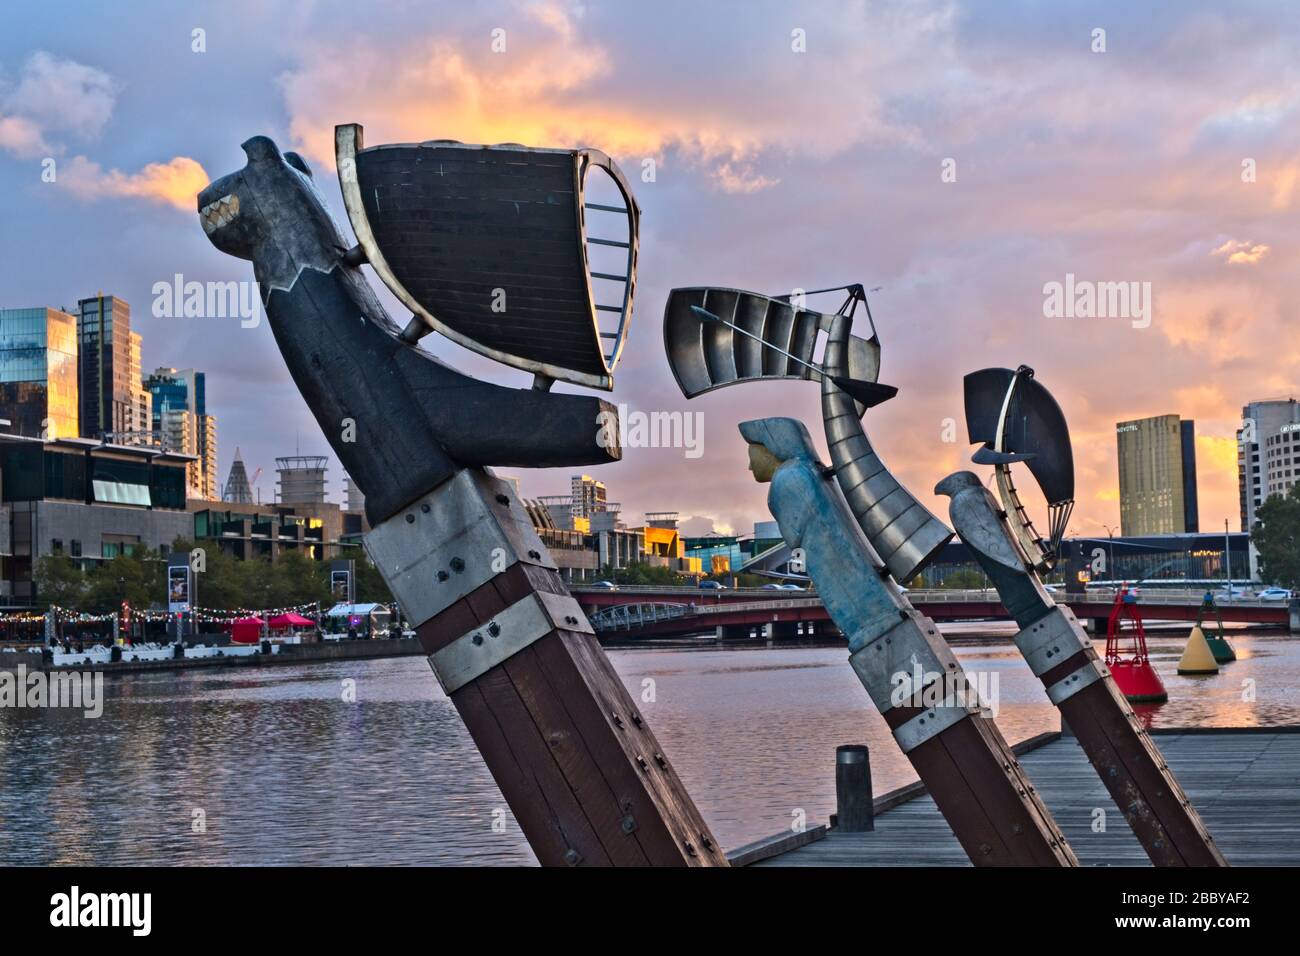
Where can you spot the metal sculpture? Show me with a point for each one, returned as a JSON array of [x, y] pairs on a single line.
[[715, 337], [907, 668], [1017, 419], [570, 751], [454, 229], [1054, 644]]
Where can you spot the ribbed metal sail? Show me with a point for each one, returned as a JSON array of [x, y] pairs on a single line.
[[901, 529], [709, 355], [705, 355]]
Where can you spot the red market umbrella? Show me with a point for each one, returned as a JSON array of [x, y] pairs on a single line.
[[289, 619], [246, 630]]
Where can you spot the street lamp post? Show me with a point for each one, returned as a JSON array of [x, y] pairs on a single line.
[[1227, 558], [1110, 536]]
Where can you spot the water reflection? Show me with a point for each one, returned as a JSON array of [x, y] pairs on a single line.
[[279, 768]]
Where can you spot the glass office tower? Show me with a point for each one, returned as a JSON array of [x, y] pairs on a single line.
[[38, 373], [104, 336]]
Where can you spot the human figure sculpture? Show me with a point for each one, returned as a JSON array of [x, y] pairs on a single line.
[[959, 754]]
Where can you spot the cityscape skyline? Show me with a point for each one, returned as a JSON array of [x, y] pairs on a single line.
[[575, 434], [981, 247], [167, 408]]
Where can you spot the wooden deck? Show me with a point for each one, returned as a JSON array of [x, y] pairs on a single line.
[[1245, 783]]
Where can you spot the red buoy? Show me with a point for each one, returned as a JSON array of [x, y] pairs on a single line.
[[1132, 670]]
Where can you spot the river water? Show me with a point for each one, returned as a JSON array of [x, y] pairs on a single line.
[[273, 766]]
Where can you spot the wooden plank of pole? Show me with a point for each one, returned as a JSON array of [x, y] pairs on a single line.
[[573, 756], [1133, 770], [978, 785]]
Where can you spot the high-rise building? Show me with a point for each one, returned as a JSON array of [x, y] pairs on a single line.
[[1282, 460], [207, 431], [178, 416], [1265, 458], [587, 494], [38, 373], [1157, 476], [107, 399], [238, 491], [1191, 501], [302, 479], [141, 415], [354, 500]]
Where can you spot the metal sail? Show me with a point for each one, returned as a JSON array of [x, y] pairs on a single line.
[[902, 530], [493, 247], [1017, 419], [757, 337]]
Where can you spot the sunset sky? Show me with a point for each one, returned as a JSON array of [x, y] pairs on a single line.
[[1171, 158]]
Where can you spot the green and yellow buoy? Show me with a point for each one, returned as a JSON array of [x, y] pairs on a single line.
[[1198, 658], [1218, 641]]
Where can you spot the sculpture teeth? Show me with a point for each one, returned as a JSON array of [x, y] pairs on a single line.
[[219, 212]]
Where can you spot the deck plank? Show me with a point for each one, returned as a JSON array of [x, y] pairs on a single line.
[[1243, 783]]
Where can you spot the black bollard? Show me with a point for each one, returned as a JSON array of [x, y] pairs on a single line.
[[853, 807]]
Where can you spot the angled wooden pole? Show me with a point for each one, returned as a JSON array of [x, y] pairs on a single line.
[[1059, 653], [905, 665], [572, 753]]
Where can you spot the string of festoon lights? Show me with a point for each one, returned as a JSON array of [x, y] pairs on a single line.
[[207, 615], [219, 616]]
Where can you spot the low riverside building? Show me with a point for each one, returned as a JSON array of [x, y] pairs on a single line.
[[581, 545], [1173, 560], [265, 532], [87, 499]]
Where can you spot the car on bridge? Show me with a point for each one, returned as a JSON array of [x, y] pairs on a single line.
[[790, 586], [712, 586], [1274, 594], [605, 585]]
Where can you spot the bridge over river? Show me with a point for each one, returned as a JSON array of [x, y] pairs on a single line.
[[640, 611]]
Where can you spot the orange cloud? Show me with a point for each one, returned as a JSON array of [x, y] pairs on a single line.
[[174, 183], [437, 89], [1240, 252], [549, 83]]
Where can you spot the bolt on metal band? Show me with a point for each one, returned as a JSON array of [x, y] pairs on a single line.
[[453, 540], [910, 644], [930, 723], [529, 619], [1071, 684], [1051, 639]]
